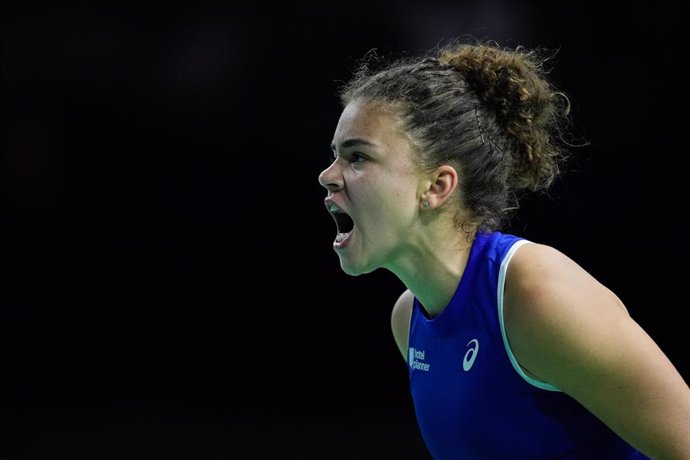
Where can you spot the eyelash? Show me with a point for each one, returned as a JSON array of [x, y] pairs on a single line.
[[357, 157], [354, 157]]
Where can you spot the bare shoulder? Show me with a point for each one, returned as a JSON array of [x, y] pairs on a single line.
[[400, 320], [535, 268], [549, 297], [567, 329], [539, 274]]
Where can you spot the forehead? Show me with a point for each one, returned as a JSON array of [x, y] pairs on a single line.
[[366, 120]]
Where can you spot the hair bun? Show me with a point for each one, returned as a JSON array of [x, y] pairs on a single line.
[[511, 85]]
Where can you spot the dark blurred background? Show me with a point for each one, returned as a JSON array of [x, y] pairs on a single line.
[[169, 290]]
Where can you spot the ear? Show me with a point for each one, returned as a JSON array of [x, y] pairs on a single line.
[[444, 181]]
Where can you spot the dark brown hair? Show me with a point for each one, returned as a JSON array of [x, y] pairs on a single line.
[[487, 110]]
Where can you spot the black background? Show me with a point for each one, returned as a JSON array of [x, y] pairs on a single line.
[[169, 289]]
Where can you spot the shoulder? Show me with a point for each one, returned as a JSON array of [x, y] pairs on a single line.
[[556, 312], [400, 320], [532, 260], [539, 275], [402, 309], [567, 329]]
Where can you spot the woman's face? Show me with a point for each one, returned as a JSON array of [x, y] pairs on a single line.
[[374, 188]]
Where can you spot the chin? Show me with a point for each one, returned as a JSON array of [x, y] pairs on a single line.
[[354, 270], [349, 270]]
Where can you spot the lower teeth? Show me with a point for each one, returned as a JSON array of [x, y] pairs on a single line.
[[340, 237]]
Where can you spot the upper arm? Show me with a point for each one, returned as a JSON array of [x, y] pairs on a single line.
[[400, 320], [567, 329]]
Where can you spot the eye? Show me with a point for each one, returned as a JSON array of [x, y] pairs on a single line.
[[357, 157], [354, 157]]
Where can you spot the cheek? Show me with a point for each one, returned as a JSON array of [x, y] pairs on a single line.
[[401, 202], [392, 195], [405, 191]]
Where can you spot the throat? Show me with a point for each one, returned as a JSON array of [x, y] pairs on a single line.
[[439, 284]]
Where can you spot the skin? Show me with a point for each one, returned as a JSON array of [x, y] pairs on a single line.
[[381, 187], [574, 333], [564, 327], [570, 331]]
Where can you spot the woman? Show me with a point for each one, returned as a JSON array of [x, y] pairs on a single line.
[[513, 349]]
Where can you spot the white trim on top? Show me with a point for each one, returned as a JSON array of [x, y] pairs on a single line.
[[501, 286]]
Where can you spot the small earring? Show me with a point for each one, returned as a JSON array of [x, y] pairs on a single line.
[[425, 204]]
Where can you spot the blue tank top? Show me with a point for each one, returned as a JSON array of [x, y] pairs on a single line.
[[471, 398]]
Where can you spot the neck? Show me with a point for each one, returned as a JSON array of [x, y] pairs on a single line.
[[433, 267]]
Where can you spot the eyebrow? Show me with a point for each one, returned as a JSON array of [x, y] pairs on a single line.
[[347, 143]]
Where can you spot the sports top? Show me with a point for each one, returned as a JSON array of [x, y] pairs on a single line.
[[471, 398]]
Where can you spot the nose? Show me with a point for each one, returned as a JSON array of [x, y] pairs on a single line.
[[331, 177]]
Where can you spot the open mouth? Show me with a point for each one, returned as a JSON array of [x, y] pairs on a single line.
[[343, 222]]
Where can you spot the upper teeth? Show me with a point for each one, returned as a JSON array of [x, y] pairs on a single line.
[[333, 208]]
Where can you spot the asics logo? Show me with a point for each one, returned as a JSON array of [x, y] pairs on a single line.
[[471, 354]]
